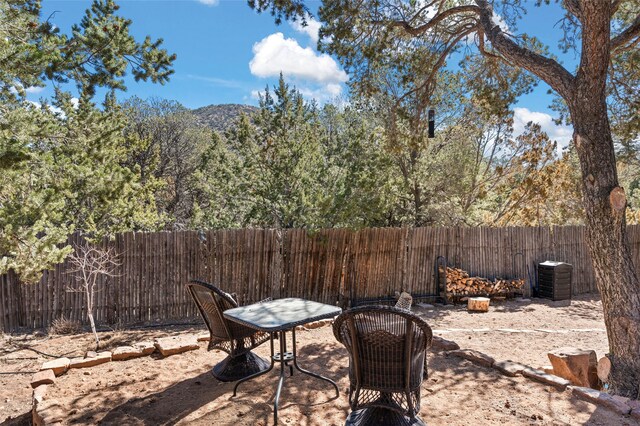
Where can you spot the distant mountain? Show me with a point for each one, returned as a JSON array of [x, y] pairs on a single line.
[[222, 117]]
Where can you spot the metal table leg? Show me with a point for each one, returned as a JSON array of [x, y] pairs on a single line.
[[302, 370], [284, 357]]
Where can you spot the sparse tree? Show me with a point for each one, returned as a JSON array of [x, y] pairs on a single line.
[[90, 265]]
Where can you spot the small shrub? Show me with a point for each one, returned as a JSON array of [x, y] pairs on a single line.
[[63, 326]]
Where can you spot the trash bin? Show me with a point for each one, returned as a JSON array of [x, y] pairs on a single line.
[[554, 280]]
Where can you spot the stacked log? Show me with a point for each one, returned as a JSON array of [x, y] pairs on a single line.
[[459, 283]]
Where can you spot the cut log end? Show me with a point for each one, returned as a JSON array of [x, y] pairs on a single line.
[[604, 369], [478, 304]]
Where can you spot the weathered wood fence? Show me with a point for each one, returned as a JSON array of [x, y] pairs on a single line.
[[332, 266]]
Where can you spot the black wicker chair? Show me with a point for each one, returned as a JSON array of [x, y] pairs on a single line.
[[387, 362], [228, 336]]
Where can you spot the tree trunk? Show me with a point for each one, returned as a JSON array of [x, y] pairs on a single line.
[[615, 274], [89, 294]]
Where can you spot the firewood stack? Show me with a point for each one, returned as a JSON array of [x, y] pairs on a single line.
[[459, 283]]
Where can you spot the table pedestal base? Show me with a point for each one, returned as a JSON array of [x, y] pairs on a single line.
[[381, 416], [239, 367]]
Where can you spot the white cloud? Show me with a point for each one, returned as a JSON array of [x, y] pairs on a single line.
[[322, 95], [274, 54], [75, 102], [312, 28], [209, 2], [222, 82], [497, 19], [34, 89], [54, 109], [560, 133]]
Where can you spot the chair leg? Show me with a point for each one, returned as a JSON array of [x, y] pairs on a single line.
[[238, 367]]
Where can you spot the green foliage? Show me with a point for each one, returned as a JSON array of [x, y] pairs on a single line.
[[360, 184], [294, 165], [98, 52], [170, 146], [281, 161], [63, 165], [70, 180]]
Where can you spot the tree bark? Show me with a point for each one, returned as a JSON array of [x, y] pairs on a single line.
[[604, 204], [615, 274]]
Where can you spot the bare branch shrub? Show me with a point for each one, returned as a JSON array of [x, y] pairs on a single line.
[[89, 263]]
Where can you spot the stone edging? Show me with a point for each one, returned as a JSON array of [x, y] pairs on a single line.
[[618, 404], [44, 412], [168, 346]]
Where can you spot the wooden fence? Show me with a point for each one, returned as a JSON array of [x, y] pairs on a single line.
[[332, 266]]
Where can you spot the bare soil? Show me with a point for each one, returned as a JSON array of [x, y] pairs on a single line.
[[180, 389]]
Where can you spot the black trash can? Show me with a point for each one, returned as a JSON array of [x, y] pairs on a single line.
[[554, 280]]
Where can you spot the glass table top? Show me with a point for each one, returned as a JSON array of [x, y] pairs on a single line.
[[281, 314]]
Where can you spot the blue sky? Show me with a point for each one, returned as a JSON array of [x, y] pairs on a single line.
[[227, 53]]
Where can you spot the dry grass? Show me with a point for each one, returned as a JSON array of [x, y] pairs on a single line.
[[63, 326]]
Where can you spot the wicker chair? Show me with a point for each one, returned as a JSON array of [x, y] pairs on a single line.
[[228, 336], [404, 301], [387, 359]]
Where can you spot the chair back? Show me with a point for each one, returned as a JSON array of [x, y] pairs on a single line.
[[386, 346], [212, 302]]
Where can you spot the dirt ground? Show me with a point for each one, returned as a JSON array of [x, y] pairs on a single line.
[[180, 389]]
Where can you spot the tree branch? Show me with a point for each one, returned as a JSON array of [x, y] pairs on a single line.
[[547, 69], [619, 41], [416, 31], [573, 7]]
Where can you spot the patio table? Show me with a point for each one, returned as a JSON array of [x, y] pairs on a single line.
[[278, 317]]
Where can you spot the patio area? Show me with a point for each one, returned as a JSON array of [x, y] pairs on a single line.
[[179, 389]]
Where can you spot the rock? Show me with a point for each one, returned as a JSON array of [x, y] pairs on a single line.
[[548, 369], [44, 377], [148, 347], [100, 358], [176, 344], [440, 344], [39, 393], [37, 400], [548, 379], [122, 353], [576, 365], [59, 366], [474, 356], [205, 337], [634, 404], [618, 405], [509, 368], [635, 408], [424, 306]]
